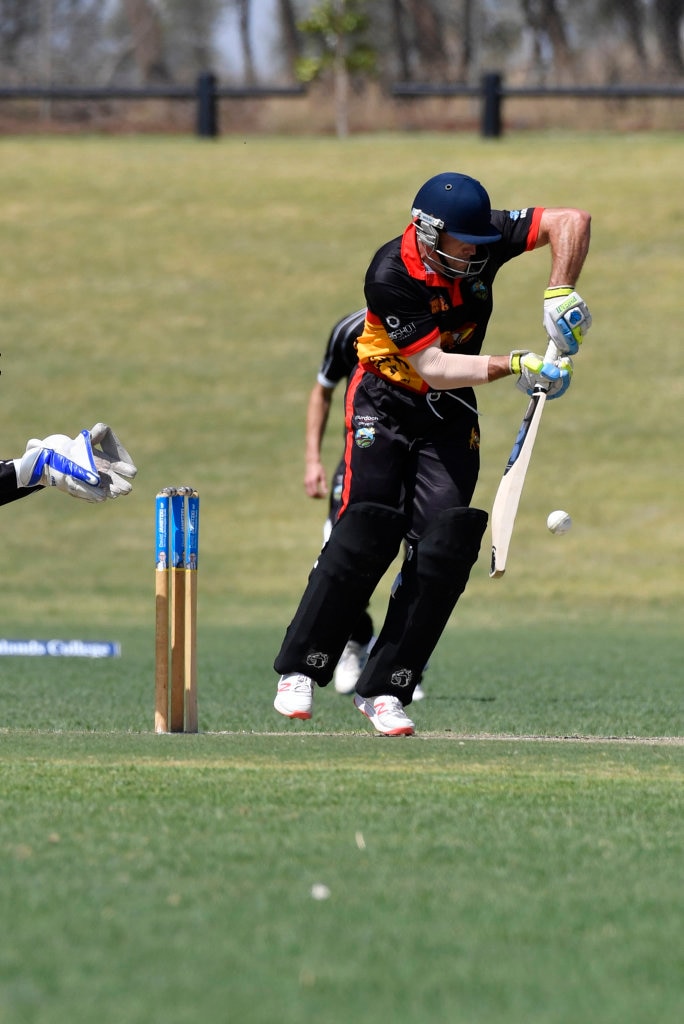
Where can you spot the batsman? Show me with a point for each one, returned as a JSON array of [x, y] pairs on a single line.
[[412, 447]]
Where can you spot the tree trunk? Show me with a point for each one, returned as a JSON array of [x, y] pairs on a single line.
[[290, 35], [544, 19], [341, 76], [632, 12], [468, 47], [147, 38], [429, 40], [244, 10], [400, 37], [668, 20]]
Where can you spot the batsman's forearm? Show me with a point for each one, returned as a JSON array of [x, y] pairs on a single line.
[[569, 234], [447, 370]]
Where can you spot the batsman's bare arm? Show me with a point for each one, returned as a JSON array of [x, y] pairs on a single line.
[[567, 232], [317, 413]]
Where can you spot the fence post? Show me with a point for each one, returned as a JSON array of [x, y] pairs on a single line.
[[207, 120], [491, 105]]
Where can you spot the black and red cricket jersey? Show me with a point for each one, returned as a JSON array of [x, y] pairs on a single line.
[[411, 306]]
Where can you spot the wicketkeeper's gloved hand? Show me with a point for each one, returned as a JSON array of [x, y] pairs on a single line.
[[566, 318], [114, 464], [72, 465], [533, 372]]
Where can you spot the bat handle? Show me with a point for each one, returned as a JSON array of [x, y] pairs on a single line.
[[551, 352], [550, 355]]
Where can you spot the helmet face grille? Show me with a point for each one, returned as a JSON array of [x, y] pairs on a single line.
[[427, 232], [452, 266]]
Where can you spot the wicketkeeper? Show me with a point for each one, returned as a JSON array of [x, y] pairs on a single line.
[[412, 435], [93, 466]]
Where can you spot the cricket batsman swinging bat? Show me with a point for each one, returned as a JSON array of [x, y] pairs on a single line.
[[507, 497]]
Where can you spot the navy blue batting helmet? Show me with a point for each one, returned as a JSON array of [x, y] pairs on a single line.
[[457, 204]]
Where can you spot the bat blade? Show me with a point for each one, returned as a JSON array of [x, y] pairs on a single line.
[[507, 498]]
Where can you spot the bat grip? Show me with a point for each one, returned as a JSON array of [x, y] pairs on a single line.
[[551, 352], [550, 355]]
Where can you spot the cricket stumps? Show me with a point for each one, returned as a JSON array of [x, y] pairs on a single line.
[[177, 513]]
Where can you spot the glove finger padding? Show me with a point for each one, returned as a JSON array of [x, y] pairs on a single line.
[[554, 377], [114, 464], [566, 318], [561, 383]]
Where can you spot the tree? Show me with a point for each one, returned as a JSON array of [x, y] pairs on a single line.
[[548, 25], [291, 39], [244, 14], [147, 40], [19, 22], [336, 28], [668, 16], [429, 38]]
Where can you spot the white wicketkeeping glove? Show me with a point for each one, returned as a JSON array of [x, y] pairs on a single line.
[[566, 318], [113, 463], [533, 372], [72, 465]]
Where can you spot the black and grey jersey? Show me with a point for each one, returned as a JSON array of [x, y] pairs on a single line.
[[9, 488], [340, 355]]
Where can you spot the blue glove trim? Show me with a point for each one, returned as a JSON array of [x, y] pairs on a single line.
[[51, 458], [570, 339], [38, 466], [565, 378], [552, 374]]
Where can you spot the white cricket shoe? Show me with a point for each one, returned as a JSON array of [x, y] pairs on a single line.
[[387, 715], [294, 698], [350, 666]]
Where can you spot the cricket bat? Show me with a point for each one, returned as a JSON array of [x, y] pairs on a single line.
[[507, 497]]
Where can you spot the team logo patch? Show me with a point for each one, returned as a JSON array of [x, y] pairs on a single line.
[[449, 340], [393, 366], [364, 437], [439, 305], [402, 677], [474, 441], [480, 290], [317, 659]]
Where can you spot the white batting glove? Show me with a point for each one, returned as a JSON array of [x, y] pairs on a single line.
[[566, 318], [113, 463], [533, 372]]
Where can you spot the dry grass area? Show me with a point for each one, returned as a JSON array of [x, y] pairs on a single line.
[[371, 109]]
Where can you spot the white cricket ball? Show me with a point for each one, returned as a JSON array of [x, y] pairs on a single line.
[[559, 521], [320, 891]]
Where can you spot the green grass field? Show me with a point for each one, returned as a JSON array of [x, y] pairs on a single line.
[[520, 859]]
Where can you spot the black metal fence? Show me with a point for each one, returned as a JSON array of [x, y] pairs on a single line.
[[206, 93], [492, 92]]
